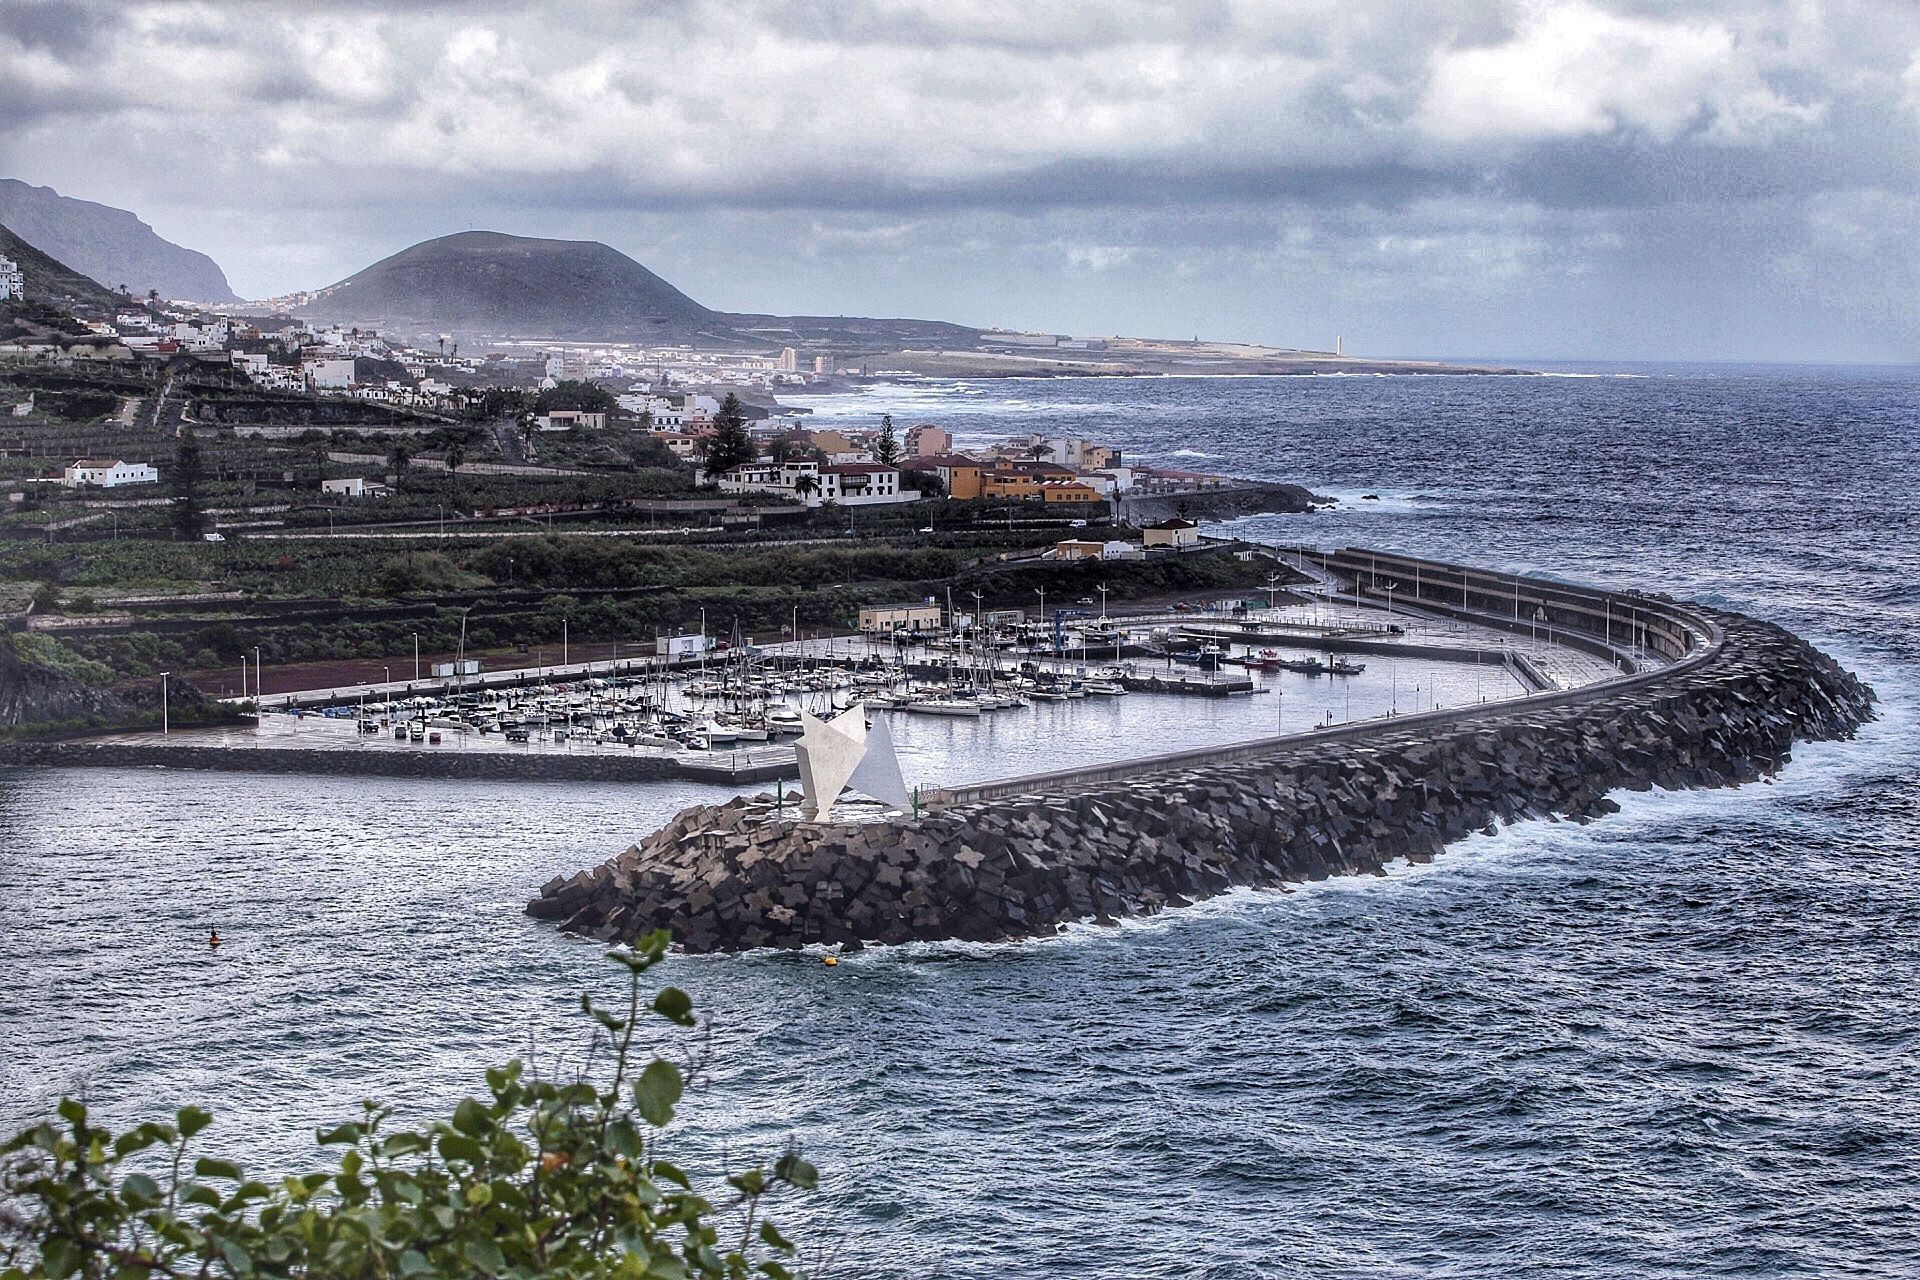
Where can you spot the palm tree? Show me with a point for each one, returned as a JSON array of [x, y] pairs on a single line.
[[805, 486]]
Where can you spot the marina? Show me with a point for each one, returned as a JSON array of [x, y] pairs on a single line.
[[964, 704]]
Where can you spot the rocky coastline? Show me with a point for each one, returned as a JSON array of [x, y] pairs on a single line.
[[1243, 499], [748, 874]]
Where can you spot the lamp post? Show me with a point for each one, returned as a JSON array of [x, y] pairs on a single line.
[[1042, 593], [166, 725], [1102, 589], [416, 656]]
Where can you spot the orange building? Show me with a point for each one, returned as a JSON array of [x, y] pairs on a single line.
[[1068, 491]]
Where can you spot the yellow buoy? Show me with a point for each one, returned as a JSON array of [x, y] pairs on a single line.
[[830, 960]]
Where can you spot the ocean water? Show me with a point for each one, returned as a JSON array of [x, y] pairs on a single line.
[[1677, 1042]]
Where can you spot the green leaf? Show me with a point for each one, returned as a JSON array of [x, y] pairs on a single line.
[[74, 1113], [455, 1147], [479, 1195], [192, 1120], [140, 1191], [471, 1118], [347, 1133], [403, 1144], [200, 1193], [773, 1237], [750, 1183], [238, 1258], [205, 1167], [675, 1005], [791, 1168], [655, 1092], [414, 1263], [485, 1255], [60, 1258]]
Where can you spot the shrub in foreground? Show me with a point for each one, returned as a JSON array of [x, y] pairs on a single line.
[[538, 1178]]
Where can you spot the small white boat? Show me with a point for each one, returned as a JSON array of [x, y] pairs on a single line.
[[713, 731], [1104, 688], [942, 706]]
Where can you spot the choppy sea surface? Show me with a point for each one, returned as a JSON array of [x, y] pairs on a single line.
[[1678, 1042]]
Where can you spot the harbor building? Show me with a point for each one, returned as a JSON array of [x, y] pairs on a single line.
[[918, 616]]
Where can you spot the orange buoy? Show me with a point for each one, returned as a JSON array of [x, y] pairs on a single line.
[[830, 961]]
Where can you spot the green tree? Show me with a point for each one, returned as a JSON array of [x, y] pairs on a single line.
[[805, 486], [730, 444], [401, 455], [887, 447], [535, 1178], [576, 395], [188, 473]]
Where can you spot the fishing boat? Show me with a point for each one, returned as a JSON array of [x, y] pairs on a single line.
[[1104, 688], [1346, 667]]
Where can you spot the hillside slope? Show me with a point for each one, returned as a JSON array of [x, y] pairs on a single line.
[[53, 282], [490, 283], [110, 245]]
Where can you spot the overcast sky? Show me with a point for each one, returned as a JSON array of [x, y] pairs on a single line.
[[1587, 178]]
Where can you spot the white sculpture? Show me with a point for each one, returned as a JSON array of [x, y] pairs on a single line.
[[840, 753]]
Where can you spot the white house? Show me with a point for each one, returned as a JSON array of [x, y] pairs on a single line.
[[107, 473], [13, 281], [330, 373], [853, 484], [568, 419], [354, 487], [1171, 533], [783, 479], [252, 363]]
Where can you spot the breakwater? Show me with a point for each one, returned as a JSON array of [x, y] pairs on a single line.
[[1024, 857]]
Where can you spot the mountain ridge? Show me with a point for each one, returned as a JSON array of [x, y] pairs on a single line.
[[110, 245]]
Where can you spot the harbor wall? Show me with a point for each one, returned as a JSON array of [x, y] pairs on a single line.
[[1026, 856], [426, 762]]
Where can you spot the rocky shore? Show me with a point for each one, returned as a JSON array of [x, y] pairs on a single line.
[[1251, 498], [745, 875]]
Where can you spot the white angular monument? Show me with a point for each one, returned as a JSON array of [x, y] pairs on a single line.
[[840, 753]]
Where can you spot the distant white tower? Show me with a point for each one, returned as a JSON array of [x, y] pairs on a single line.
[[1336, 345]]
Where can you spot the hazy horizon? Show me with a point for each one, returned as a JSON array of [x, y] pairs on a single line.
[[1573, 179]]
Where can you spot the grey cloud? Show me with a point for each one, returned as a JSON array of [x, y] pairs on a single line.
[[1068, 160]]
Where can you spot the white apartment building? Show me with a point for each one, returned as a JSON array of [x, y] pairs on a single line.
[[13, 281]]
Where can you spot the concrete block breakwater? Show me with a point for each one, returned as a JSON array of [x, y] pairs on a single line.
[[745, 875]]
